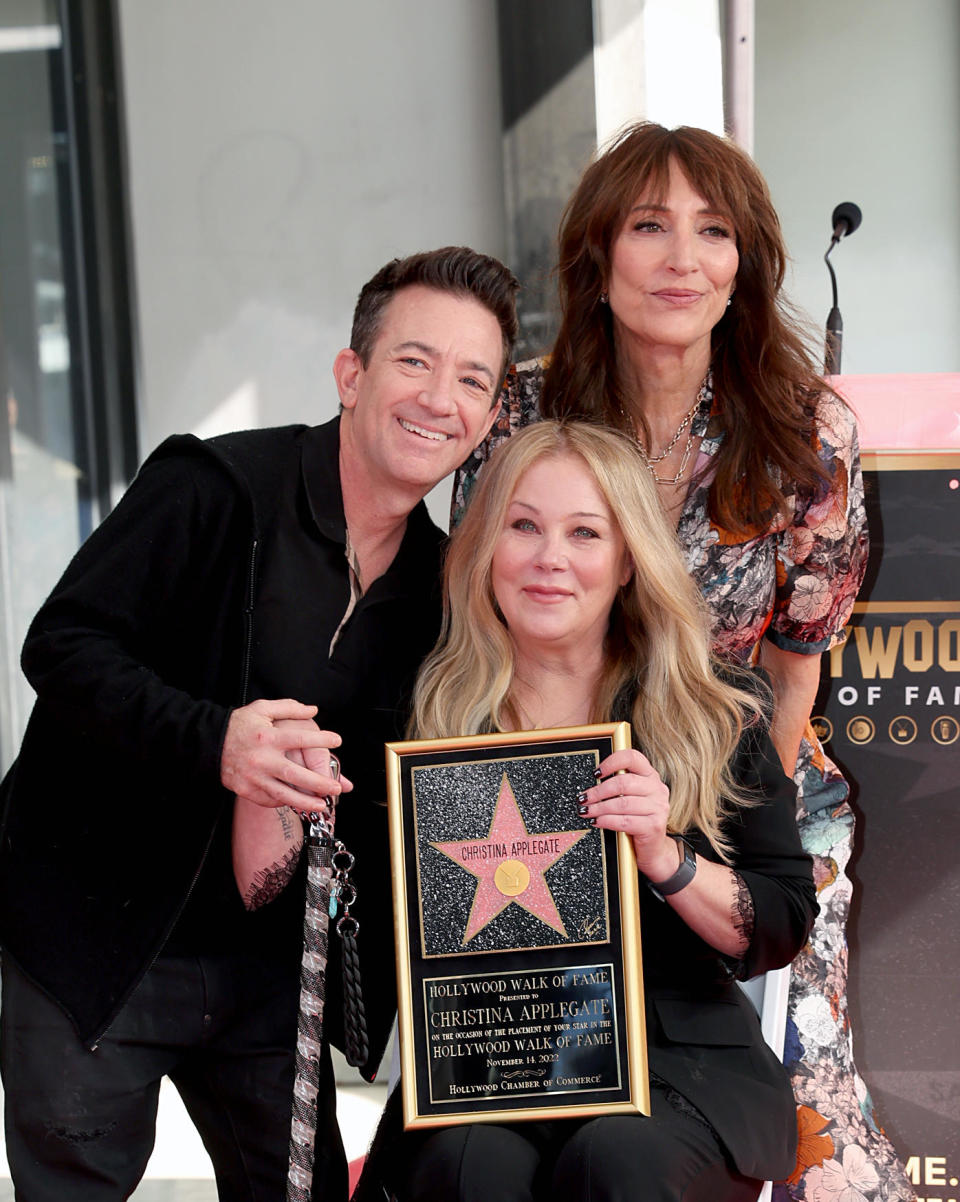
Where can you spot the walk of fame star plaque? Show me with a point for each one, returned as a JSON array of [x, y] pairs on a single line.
[[518, 939]]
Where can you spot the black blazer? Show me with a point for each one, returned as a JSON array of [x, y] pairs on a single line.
[[220, 575], [703, 1034]]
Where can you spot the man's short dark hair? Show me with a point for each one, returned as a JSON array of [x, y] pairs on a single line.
[[455, 269]]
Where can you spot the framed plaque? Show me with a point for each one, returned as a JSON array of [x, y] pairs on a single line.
[[518, 943]]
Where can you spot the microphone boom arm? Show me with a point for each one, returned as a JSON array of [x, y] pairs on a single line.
[[846, 218]]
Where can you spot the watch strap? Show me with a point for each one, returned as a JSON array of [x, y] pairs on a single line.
[[681, 878]]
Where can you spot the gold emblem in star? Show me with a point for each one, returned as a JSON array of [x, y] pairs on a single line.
[[512, 877]]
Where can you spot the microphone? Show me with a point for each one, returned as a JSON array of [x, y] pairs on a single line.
[[845, 219]]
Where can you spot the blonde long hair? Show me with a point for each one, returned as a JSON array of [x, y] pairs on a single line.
[[685, 719]]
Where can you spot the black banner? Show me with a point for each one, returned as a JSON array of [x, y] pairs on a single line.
[[889, 714]]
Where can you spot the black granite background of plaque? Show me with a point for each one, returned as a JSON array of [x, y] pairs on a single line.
[[467, 803]]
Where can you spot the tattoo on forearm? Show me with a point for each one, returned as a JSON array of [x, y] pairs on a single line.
[[743, 915], [271, 882]]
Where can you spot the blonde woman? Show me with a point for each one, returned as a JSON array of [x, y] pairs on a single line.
[[567, 602]]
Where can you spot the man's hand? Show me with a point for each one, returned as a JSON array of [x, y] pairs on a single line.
[[274, 754]]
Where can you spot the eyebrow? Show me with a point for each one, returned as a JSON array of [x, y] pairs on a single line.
[[578, 513], [426, 349], [652, 208]]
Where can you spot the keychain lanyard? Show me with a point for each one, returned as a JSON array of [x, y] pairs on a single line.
[[328, 886]]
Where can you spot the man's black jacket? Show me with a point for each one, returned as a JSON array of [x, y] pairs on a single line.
[[216, 577]]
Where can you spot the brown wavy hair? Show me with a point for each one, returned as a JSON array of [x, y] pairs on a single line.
[[763, 369]]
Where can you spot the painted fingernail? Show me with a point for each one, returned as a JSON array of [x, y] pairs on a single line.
[[591, 822], [597, 773], [582, 797], [583, 809]]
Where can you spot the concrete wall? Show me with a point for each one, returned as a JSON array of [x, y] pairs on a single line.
[[858, 100], [279, 155]]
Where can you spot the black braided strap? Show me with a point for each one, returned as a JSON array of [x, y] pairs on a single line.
[[354, 1015], [313, 970]]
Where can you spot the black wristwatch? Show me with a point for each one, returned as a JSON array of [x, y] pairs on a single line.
[[681, 878]]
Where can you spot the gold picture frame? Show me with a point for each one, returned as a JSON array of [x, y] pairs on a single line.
[[520, 987]]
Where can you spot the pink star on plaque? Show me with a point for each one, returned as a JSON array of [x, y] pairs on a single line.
[[509, 865]]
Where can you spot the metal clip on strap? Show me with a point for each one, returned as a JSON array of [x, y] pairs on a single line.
[[320, 822]]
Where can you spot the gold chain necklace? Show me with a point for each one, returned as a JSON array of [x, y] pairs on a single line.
[[651, 460]]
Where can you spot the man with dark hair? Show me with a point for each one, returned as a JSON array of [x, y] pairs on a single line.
[[456, 270], [252, 602]]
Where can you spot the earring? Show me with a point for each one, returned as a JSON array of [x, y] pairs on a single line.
[[603, 298], [729, 301]]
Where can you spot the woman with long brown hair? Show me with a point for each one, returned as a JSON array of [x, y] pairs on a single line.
[[675, 330]]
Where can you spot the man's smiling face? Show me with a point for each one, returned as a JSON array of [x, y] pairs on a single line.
[[426, 397]]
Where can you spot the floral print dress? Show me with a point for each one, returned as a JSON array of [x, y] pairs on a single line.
[[793, 583]]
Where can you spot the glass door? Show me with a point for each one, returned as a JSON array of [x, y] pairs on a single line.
[[51, 460]]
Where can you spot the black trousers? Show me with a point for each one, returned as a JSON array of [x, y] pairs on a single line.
[[671, 1156], [80, 1124]]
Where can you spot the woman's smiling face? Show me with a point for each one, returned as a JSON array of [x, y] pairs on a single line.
[[672, 269], [560, 559]]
